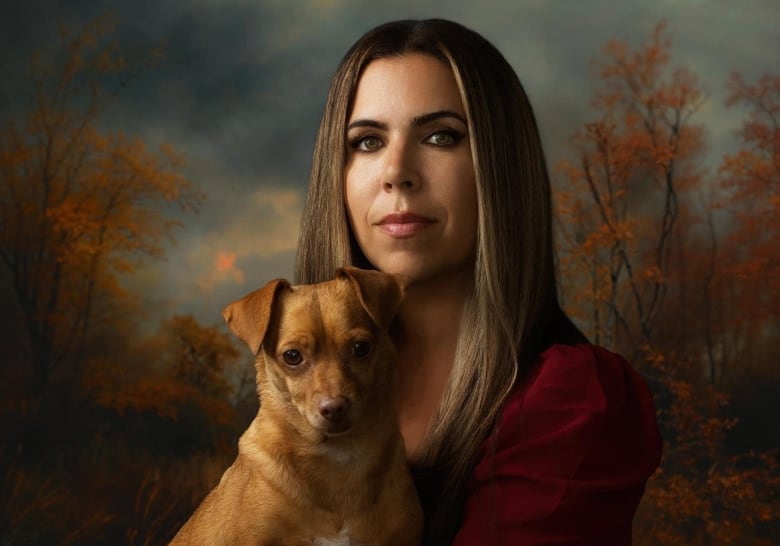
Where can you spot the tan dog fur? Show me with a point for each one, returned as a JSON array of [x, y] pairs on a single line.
[[305, 475]]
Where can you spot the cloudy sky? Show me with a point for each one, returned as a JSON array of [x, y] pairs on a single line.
[[241, 87]]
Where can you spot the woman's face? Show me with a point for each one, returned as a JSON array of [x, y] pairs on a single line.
[[410, 184]]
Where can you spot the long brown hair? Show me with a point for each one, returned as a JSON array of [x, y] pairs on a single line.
[[513, 311]]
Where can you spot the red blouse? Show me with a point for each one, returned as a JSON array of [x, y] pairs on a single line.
[[569, 461]]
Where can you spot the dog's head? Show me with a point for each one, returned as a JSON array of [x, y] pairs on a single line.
[[323, 348]]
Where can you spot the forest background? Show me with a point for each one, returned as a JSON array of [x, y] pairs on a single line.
[[146, 180]]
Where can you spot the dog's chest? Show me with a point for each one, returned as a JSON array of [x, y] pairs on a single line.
[[342, 539]]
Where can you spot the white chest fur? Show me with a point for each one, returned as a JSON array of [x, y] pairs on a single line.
[[342, 539]]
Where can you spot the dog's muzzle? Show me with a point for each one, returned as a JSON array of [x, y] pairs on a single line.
[[333, 415]]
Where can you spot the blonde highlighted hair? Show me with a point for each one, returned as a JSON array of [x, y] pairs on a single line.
[[513, 312]]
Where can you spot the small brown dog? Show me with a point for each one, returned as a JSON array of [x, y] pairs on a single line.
[[323, 463]]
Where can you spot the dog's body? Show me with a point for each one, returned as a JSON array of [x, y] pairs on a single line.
[[323, 463]]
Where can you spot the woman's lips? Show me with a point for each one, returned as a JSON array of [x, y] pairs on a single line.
[[404, 224]]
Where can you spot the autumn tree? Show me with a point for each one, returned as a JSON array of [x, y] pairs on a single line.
[[633, 163], [78, 205], [643, 256], [185, 385], [751, 177], [750, 272], [134, 427], [201, 356], [154, 427]]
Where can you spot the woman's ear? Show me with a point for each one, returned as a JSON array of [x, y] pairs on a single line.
[[250, 316], [380, 294]]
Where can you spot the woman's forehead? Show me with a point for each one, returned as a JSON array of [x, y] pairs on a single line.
[[409, 85]]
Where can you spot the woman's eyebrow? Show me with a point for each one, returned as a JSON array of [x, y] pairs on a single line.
[[367, 123], [416, 121], [433, 116]]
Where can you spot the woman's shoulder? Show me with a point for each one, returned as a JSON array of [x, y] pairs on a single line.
[[584, 376], [585, 400]]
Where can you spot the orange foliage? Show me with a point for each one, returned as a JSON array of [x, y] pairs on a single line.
[[201, 356], [195, 369], [117, 434], [78, 206], [633, 163], [751, 179]]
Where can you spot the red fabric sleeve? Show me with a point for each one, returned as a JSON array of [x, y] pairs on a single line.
[[569, 461]]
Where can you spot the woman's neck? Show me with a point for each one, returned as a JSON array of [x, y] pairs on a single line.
[[426, 333], [430, 315]]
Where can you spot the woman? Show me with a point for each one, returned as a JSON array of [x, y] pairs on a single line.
[[428, 164]]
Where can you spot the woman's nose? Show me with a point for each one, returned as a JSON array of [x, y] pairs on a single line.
[[400, 170]]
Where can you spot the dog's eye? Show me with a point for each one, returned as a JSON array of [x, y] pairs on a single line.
[[361, 349], [292, 357]]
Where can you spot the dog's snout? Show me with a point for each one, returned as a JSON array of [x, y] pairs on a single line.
[[334, 409]]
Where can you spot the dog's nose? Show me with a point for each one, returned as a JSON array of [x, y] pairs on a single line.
[[334, 409]]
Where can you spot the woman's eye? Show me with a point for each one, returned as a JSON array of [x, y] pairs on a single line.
[[443, 138], [361, 349], [292, 357], [367, 144]]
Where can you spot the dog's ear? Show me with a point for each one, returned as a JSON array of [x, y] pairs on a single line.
[[249, 316], [380, 294]]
